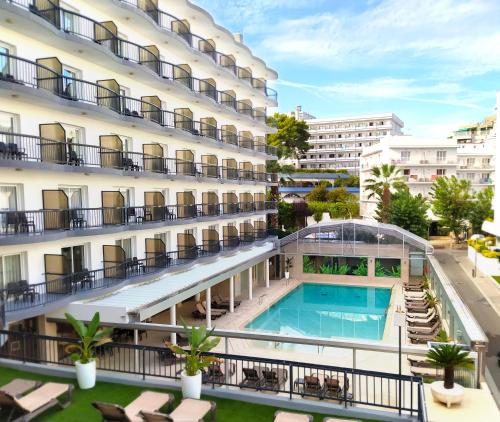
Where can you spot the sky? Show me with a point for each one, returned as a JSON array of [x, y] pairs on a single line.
[[434, 63]]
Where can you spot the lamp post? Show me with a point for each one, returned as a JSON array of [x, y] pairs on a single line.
[[399, 321]]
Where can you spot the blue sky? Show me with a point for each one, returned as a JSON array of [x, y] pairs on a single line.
[[435, 63]]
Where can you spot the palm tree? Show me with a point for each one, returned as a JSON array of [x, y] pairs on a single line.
[[449, 357], [385, 179]]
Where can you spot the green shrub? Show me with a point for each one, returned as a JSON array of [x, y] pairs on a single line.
[[362, 268], [308, 265]]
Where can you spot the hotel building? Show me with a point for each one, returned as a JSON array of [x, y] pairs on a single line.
[[132, 161]]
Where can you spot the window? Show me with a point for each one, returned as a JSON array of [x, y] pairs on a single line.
[[405, 156], [8, 198], [371, 124], [441, 156], [75, 196], [486, 162], [5, 63], [359, 135], [406, 172], [126, 245], [470, 161], [339, 136], [74, 259], [165, 238], [331, 156], [441, 172], [470, 176], [69, 75], [10, 269], [8, 122]]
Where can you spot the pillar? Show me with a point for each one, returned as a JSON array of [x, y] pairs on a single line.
[[136, 353], [231, 294], [266, 272], [197, 297], [173, 321], [250, 283], [208, 306]]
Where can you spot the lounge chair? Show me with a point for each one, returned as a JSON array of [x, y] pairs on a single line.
[[223, 303], [274, 378], [423, 338], [422, 322], [148, 401], [201, 313], [410, 316], [216, 308], [425, 330], [312, 386], [201, 307], [333, 387], [188, 410], [37, 401], [415, 295], [252, 379], [18, 386], [281, 416], [216, 375]]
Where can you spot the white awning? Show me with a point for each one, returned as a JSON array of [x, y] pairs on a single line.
[[142, 301]]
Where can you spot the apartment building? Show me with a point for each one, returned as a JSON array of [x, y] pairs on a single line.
[[132, 151], [422, 160], [337, 143]]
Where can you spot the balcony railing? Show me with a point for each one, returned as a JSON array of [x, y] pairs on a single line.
[[18, 296], [82, 26], [21, 71], [29, 222], [20, 147]]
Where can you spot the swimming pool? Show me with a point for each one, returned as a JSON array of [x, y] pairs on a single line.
[[322, 310]]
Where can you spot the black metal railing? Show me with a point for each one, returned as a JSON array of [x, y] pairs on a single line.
[[18, 296], [22, 71], [170, 23], [84, 27], [28, 222], [15, 146], [297, 380]]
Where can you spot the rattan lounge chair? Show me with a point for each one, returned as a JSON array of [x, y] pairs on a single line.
[[223, 303], [422, 322], [148, 401], [425, 330], [252, 379], [202, 308], [312, 386], [188, 410], [281, 416], [333, 387], [419, 316], [37, 401], [274, 378], [423, 338], [216, 373]]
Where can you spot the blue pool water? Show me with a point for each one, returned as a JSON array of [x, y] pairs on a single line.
[[321, 310]]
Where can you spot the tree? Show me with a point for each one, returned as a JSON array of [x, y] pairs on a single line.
[[291, 136], [481, 209], [408, 212], [286, 215], [451, 202], [351, 181], [318, 194], [340, 195], [449, 357], [385, 180]]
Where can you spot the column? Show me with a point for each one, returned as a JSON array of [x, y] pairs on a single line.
[[197, 297], [250, 283], [266, 271], [208, 306], [231, 294], [173, 321], [136, 353]]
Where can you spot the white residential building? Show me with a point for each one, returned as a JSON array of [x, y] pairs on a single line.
[[337, 143], [132, 149]]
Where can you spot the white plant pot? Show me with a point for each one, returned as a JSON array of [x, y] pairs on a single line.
[[287, 275], [448, 396], [85, 374], [191, 385]]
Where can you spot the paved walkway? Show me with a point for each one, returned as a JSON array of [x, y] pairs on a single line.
[[483, 299]]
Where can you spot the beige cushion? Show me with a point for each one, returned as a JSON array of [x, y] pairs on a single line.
[[41, 396], [191, 410], [149, 401], [291, 417]]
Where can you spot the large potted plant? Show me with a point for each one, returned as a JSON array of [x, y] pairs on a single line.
[[448, 357], [83, 352], [288, 266], [199, 342]]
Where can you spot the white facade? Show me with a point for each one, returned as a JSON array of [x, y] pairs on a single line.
[[116, 130], [337, 143], [421, 161]]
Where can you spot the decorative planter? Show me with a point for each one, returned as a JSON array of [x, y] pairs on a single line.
[[287, 275], [449, 396], [191, 385], [85, 374]]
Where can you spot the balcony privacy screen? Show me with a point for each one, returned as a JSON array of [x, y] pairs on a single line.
[[56, 214], [151, 108], [246, 232], [210, 203], [47, 79], [182, 74], [210, 240], [149, 57], [108, 94], [229, 235], [114, 259], [185, 205], [154, 206], [259, 226], [186, 245], [259, 199], [49, 12], [183, 119], [246, 202], [106, 33], [113, 208], [208, 127], [229, 169], [246, 139], [184, 162], [259, 172], [54, 273], [246, 170], [153, 157], [111, 151], [230, 201], [155, 253], [53, 144], [209, 164]]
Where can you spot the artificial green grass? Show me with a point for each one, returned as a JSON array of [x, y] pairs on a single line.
[[81, 409], [497, 278]]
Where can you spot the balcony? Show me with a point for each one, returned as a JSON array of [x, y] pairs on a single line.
[[30, 224], [20, 296], [106, 34], [20, 149], [105, 94]]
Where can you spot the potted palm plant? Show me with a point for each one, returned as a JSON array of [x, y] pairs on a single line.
[[199, 342], [288, 265], [83, 352], [448, 357]]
